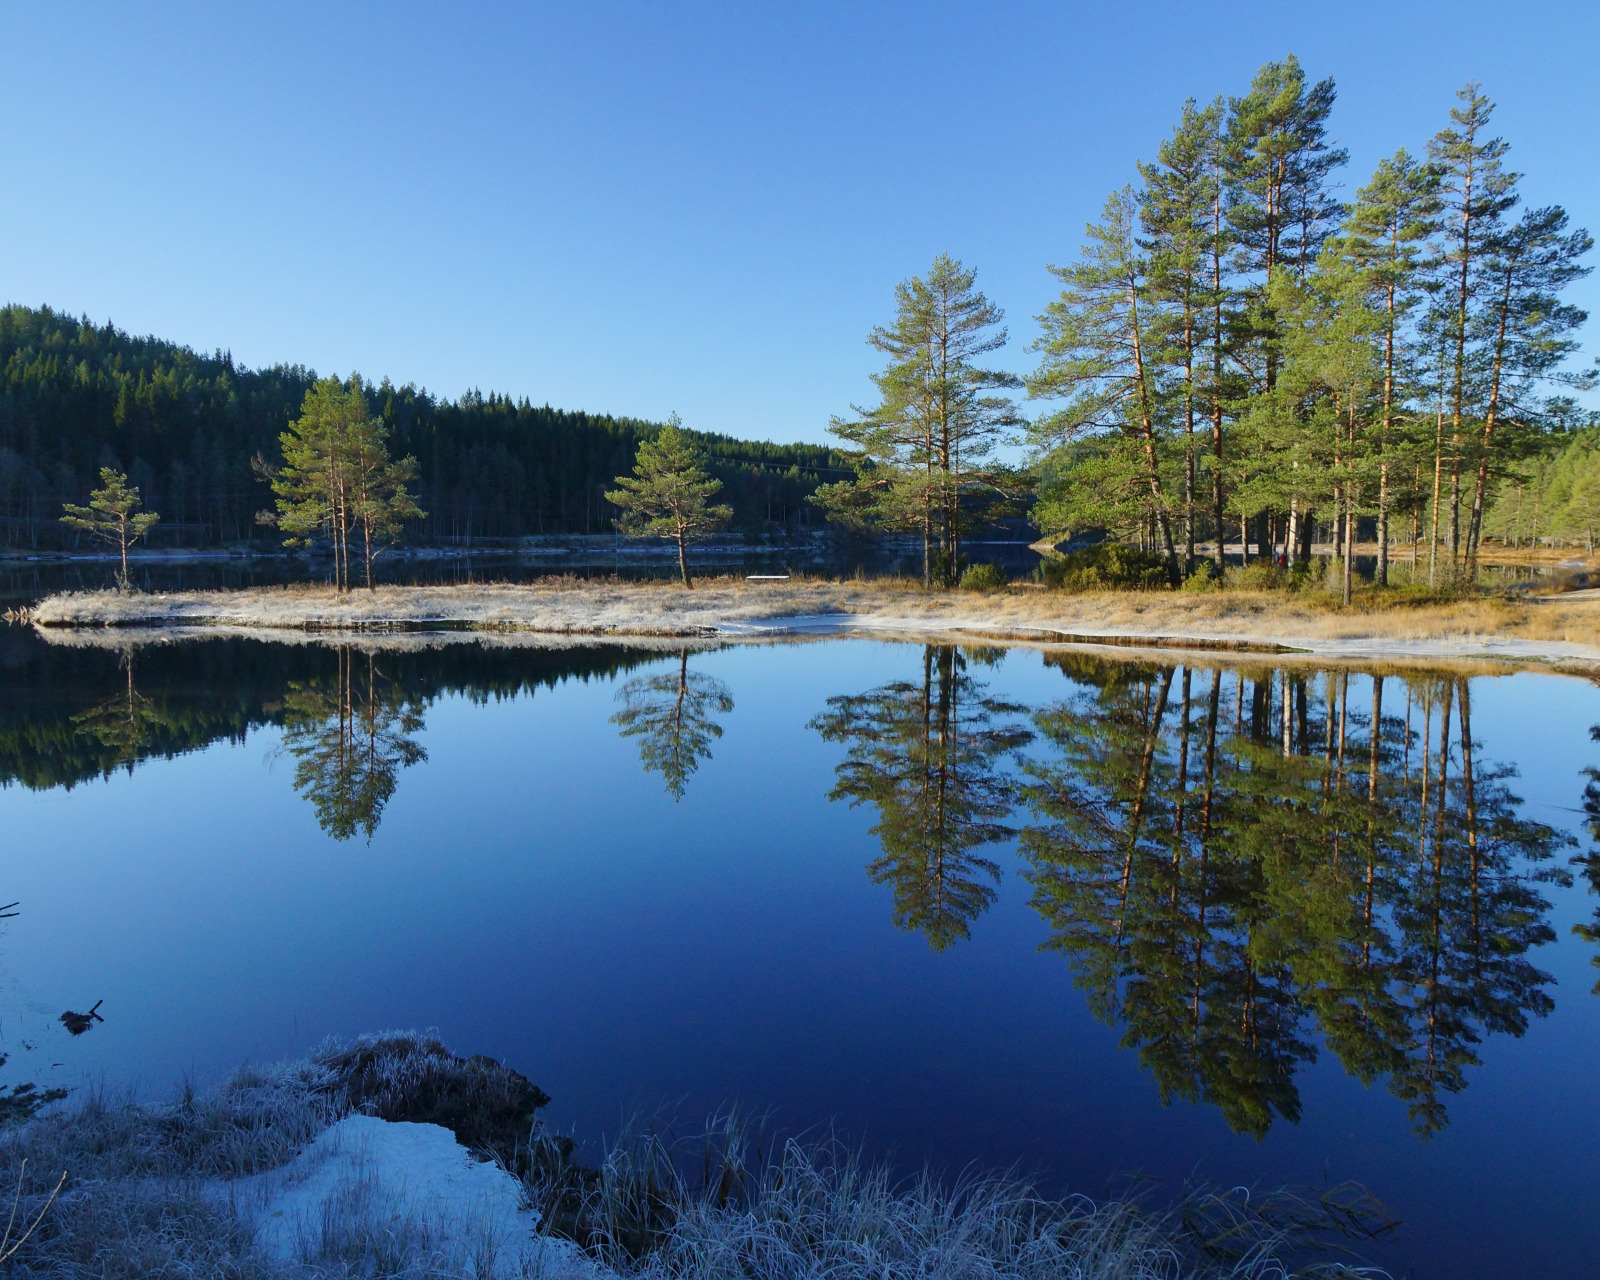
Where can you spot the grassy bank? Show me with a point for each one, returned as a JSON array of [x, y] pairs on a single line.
[[1563, 627], [171, 1190]]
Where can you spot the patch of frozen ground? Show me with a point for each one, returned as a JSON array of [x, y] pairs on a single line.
[[409, 1193]]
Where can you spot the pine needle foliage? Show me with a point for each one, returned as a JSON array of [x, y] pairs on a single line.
[[113, 515], [669, 494]]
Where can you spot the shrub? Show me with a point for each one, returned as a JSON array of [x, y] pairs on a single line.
[[985, 577], [1107, 566], [1204, 578], [1258, 575]]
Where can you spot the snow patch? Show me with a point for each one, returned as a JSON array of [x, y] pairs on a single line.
[[412, 1187]]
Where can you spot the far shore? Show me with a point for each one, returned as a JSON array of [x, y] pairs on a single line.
[[1561, 630]]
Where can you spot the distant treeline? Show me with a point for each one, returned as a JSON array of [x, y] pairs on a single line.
[[1553, 499], [76, 396]]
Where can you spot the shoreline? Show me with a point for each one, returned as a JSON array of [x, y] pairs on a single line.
[[1561, 630], [391, 1155]]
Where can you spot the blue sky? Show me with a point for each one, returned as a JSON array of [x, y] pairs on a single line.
[[647, 208]]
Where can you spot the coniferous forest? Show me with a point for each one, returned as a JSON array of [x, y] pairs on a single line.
[[76, 396]]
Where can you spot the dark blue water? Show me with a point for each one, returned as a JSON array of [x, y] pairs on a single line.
[[620, 871], [26, 579]]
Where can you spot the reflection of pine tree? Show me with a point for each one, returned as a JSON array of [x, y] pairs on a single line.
[[1468, 911], [1590, 861], [1217, 892], [1153, 908], [124, 724], [926, 755], [671, 717], [350, 742]]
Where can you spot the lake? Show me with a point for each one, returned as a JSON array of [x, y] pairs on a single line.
[[1117, 920]]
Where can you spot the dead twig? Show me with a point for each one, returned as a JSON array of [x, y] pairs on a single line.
[[9, 1247]]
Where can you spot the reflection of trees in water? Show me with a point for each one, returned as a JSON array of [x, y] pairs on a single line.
[[350, 738], [125, 724], [927, 755], [1589, 861], [671, 715], [1231, 862]]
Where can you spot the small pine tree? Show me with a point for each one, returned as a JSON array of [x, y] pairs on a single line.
[[337, 476], [113, 515], [667, 495]]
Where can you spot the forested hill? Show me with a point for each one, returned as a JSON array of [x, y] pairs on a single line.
[[76, 396]]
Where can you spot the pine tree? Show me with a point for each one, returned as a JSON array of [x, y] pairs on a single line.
[[1101, 354], [668, 495], [1180, 210], [1525, 330], [1279, 163], [112, 516], [1281, 210], [337, 475], [1385, 236], [928, 441], [1477, 192], [379, 500]]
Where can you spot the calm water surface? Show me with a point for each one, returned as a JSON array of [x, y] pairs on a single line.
[[1103, 919]]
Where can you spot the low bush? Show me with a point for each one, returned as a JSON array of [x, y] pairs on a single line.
[[1107, 566], [985, 577], [1258, 575], [1204, 578]]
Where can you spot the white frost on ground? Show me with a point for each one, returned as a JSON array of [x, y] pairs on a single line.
[[413, 1188]]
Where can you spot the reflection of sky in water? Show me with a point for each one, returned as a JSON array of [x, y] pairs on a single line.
[[536, 895]]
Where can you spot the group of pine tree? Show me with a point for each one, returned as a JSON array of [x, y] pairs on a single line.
[[1235, 357], [1237, 351]]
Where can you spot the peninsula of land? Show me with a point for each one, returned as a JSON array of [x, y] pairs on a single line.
[[1561, 629]]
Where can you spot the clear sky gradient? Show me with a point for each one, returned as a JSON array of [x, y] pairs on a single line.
[[646, 208]]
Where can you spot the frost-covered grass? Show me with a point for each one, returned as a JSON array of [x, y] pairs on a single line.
[[178, 1190], [1396, 623], [655, 1211], [157, 1190]]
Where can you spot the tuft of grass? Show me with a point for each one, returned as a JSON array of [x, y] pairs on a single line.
[[404, 1075], [720, 1208]]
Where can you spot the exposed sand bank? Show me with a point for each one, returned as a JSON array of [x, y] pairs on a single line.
[[1563, 629]]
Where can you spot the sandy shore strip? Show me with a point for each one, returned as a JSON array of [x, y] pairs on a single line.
[[1563, 629]]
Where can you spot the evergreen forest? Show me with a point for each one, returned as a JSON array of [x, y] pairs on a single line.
[[76, 396]]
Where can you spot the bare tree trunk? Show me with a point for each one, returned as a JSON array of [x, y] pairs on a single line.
[[1383, 524], [1349, 538], [683, 560]]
